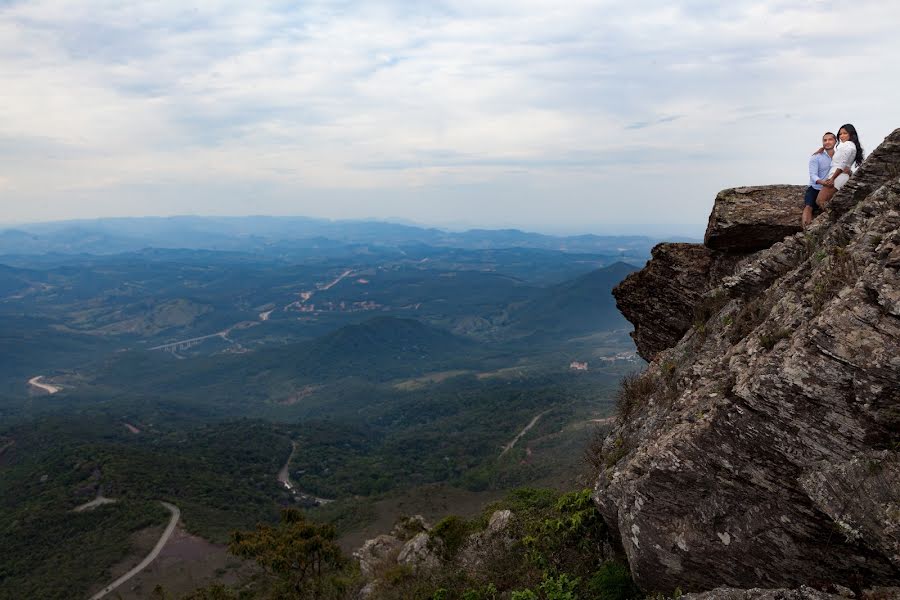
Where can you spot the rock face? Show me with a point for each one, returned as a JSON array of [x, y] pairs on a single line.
[[761, 447], [660, 300], [747, 219], [803, 593]]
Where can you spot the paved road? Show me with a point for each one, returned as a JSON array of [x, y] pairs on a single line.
[[176, 514]]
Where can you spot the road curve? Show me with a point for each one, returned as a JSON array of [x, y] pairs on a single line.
[[36, 382], [176, 514]]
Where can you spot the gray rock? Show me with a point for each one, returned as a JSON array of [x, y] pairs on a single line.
[[420, 553], [499, 522], [377, 552], [747, 219], [803, 593], [408, 527], [763, 453], [366, 591], [496, 538]]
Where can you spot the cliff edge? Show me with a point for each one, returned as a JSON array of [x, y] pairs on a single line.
[[760, 447]]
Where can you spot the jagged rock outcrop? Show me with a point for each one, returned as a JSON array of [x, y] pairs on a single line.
[[747, 219], [760, 450], [660, 300]]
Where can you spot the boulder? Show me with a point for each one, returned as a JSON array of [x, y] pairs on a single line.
[[376, 552], [747, 219], [408, 527], [764, 452], [420, 553], [494, 539], [499, 522]]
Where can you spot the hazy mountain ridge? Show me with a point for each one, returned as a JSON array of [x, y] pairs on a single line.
[[273, 235]]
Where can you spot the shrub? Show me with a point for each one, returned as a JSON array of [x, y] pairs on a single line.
[[612, 581], [840, 272], [560, 588], [708, 307], [752, 313], [453, 530]]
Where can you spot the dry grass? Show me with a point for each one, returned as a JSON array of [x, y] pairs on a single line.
[[633, 391], [840, 272], [752, 313]]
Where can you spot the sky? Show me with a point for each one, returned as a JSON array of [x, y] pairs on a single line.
[[563, 117]]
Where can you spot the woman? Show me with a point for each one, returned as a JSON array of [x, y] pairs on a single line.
[[845, 155]]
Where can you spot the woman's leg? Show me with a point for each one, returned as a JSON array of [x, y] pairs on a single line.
[[825, 195]]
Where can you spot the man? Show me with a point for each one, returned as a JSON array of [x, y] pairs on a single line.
[[819, 165]]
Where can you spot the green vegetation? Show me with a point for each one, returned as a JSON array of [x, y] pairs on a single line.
[[218, 475], [376, 406], [300, 558], [554, 548], [54, 554]]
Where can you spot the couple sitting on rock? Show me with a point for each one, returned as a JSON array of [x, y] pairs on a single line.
[[830, 168]]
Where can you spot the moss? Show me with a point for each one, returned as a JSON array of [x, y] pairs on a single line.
[[619, 451], [769, 340]]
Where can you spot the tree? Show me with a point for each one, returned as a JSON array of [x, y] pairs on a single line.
[[301, 556]]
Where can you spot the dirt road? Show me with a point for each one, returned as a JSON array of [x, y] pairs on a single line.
[[176, 514], [36, 382], [533, 422]]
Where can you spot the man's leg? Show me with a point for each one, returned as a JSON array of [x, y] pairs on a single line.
[[809, 201], [806, 217]]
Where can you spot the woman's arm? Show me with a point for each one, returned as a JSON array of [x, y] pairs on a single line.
[[843, 158]]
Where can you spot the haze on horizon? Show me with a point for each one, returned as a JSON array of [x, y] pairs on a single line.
[[533, 115]]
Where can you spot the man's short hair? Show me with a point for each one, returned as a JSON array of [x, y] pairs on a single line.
[[829, 133]]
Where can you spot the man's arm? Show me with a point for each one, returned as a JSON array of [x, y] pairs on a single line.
[[814, 170]]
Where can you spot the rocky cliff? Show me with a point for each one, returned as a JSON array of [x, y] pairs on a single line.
[[760, 447]]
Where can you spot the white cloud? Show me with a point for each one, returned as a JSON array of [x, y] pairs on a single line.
[[123, 108]]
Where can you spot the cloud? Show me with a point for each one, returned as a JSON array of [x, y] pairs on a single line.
[[424, 101]]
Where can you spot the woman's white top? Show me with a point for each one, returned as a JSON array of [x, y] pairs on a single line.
[[843, 158]]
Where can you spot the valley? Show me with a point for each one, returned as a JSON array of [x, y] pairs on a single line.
[[361, 383]]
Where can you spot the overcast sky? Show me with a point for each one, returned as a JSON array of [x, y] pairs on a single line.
[[553, 116]]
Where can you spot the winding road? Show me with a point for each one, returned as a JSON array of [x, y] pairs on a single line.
[[170, 528], [284, 478]]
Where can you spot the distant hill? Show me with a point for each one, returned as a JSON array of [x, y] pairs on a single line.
[[382, 348], [580, 306], [279, 235]]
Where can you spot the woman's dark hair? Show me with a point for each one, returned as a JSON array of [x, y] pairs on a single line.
[[855, 139]]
